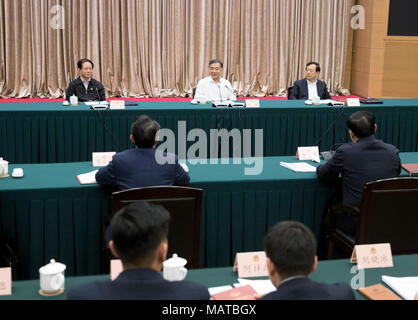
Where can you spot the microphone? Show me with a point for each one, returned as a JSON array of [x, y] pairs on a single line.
[[230, 90], [98, 95], [330, 126], [220, 93]]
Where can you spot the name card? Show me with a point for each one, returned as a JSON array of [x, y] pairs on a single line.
[[117, 104], [353, 102], [369, 256], [5, 281], [252, 103], [251, 264], [308, 153], [102, 159], [116, 268]]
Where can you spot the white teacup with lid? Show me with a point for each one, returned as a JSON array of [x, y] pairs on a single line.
[[74, 100], [4, 168], [173, 268], [51, 277]]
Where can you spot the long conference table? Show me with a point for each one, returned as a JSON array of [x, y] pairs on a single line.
[[49, 215], [330, 271], [53, 133]]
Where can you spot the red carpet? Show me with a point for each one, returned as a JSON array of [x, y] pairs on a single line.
[[29, 100]]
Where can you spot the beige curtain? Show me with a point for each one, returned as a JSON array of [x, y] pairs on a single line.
[[161, 48]]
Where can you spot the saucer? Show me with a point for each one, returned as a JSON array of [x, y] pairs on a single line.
[[50, 294]]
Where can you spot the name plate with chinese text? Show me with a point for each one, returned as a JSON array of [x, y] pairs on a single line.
[[252, 103], [102, 159], [251, 264], [5, 281], [116, 268], [369, 256]]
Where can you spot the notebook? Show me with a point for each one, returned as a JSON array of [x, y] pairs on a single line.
[[411, 168]]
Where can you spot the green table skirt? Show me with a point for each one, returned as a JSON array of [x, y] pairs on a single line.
[[51, 133], [47, 214]]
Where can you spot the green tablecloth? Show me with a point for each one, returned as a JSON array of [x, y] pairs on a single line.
[[47, 214], [330, 271], [50, 132]]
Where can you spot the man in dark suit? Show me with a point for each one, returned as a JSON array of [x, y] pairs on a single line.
[[366, 159], [85, 87], [291, 256], [310, 87], [143, 166], [139, 233]]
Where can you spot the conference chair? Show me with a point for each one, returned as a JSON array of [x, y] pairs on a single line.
[[388, 214], [184, 205], [289, 91]]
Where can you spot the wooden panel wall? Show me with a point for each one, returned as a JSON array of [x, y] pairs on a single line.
[[383, 67]]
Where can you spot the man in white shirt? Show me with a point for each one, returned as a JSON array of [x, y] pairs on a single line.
[[310, 87], [214, 88]]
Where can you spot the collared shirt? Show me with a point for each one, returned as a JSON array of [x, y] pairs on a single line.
[[313, 91], [86, 83], [209, 90]]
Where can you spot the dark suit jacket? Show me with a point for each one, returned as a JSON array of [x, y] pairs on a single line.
[[306, 289], [367, 160], [300, 90], [95, 91], [139, 284], [136, 168]]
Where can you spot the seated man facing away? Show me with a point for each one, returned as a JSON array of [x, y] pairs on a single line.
[[291, 256], [214, 88], [85, 87], [366, 159], [144, 165], [139, 233], [310, 87]]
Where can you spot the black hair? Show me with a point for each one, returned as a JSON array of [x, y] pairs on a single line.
[[216, 61], [144, 130], [318, 68], [82, 61], [291, 246], [362, 124], [138, 229]]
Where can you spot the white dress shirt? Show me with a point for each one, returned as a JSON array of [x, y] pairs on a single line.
[[209, 90], [312, 89]]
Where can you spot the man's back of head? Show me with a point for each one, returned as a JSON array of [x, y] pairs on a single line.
[[362, 124], [144, 131], [291, 247], [138, 229]]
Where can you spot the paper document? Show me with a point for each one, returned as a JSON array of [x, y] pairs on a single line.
[[87, 178], [406, 287], [321, 102], [215, 290], [261, 286], [94, 103], [298, 166]]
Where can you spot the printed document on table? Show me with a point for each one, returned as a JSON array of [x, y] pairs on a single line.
[[87, 178], [298, 166], [406, 287]]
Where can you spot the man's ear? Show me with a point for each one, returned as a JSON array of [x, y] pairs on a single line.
[[162, 251], [375, 128], [270, 267], [315, 265], [112, 249], [131, 137]]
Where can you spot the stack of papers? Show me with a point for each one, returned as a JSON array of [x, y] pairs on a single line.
[[87, 178], [406, 287], [298, 166], [261, 286]]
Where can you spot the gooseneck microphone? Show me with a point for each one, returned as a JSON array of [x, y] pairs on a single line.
[[220, 93], [230, 91]]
